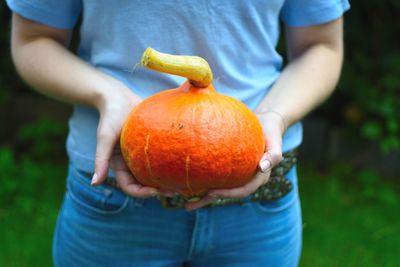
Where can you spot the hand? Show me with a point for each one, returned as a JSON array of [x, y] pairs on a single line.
[[274, 127], [114, 109]]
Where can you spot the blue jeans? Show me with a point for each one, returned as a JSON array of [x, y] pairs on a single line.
[[101, 226]]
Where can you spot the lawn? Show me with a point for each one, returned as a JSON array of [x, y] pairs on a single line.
[[30, 195], [349, 215], [350, 218]]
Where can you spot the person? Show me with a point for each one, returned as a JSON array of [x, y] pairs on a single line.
[[104, 225]]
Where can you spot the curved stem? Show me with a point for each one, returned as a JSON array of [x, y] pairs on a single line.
[[196, 69]]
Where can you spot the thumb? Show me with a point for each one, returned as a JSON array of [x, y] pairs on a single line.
[[104, 151], [273, 155]]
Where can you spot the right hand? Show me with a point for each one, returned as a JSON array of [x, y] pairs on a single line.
[[114, 108]]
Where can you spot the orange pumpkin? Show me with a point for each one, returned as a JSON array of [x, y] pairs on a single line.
[[191, 139]]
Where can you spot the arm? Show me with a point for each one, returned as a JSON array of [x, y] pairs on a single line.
[[43, 61], [315, 60], [41, 57]]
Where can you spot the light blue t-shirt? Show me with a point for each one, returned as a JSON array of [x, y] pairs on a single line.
[[237, 37]]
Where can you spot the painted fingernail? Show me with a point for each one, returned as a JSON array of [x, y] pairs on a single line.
[[264, 165], [95, 179]]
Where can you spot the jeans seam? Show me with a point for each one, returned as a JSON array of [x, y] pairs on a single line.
[[193, 239]]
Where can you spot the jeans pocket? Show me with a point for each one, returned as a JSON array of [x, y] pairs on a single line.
[[101, 199], [278, 205]]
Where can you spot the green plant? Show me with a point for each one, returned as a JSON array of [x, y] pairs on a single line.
[[42, 139], [370, 80], [349, 217], [30, 196]]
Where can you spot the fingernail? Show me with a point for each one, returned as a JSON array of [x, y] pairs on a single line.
[[95, 179], [264, 165]]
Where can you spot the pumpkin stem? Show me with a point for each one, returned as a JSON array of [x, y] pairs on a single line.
[[196, 69]]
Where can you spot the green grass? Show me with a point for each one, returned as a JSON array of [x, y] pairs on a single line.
[[30, 195], [350, 217]]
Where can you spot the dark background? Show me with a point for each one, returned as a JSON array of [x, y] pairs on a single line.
[[350, 161]]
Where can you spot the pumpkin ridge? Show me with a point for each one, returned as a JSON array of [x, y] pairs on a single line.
[[146, 154], [187, 163], [148, 164]]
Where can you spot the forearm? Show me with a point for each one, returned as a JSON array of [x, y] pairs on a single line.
[[43, 61], [51, 69], [305, 83]]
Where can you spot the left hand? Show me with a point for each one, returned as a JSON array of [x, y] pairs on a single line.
[[114, 107], [273, 126]]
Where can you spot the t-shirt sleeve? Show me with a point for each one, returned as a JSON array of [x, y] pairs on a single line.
[[298, 13], [61, 14]]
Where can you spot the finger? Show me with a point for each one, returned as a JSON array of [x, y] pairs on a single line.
[[240, 192], [104, 149], [273, 157], [199, 204], [117, 161], [131, 187], [274, 152], [120, 168], [264, 164]]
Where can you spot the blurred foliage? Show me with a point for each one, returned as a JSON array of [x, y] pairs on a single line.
[[22, 180], [8, 76], [30, 197], [32, 178], [370, 84], [350, 217], [42, 138], [38, 144]]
